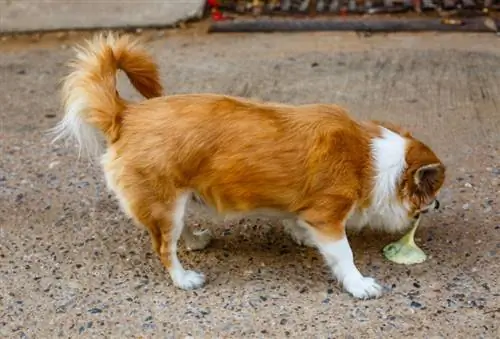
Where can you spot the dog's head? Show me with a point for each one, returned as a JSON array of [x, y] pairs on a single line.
[[423, 174], [422, 178], [408, 178]]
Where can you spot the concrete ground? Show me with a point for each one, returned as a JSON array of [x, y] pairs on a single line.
[[73, 266], [43, 15]]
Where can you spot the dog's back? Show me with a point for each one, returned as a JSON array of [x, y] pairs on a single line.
[[240, 155]]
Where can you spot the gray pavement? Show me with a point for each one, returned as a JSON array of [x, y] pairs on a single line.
[[48, 15], [73, 266]]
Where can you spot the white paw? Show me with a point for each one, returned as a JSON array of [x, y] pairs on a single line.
[[188, 280], [362, 287], [298, 233], [199, 240]]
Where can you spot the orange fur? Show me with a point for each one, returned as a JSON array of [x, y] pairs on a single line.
[[94, 72], [421, 159], [236, 155]]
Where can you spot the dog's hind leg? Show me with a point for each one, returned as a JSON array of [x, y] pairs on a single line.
[[171, 226], [165, 222]]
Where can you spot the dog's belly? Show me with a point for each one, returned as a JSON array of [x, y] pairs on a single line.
[[234, 215], [392, 218]]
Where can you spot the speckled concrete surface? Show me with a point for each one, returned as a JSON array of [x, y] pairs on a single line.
[[73, 266]]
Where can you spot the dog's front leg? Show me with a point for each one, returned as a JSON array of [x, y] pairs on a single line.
[[328, 233]]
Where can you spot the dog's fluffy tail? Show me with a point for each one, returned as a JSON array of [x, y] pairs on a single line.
[[90, 98]]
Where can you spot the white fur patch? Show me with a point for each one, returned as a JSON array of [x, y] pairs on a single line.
[[389, 153], [73, 124], [186, 279], [77, 96], [340, 259], [386, 212], [112, 172], [178, 218], [181, 277]]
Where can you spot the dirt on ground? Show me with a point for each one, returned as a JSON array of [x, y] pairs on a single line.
[[72, 265]]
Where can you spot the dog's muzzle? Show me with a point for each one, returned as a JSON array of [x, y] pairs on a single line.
[[433, 205]]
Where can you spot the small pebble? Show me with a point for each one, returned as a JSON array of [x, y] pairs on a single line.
[[415, 304], [465, 206], [95, 310], [53, 164]]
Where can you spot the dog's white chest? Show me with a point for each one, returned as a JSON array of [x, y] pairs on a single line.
[[392, 217]]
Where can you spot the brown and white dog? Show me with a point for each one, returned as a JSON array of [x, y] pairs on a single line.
[[313, 165]]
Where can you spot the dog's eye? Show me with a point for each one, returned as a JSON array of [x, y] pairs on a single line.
[[436, 204]]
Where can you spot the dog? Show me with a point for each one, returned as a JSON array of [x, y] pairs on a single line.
[[313, 165]]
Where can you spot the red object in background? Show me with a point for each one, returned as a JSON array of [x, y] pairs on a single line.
[[217, 15], [417, 5]]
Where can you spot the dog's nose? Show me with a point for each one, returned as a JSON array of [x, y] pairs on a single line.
[[436, 204]]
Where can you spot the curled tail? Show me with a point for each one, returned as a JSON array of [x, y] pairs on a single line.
[[90, 98]]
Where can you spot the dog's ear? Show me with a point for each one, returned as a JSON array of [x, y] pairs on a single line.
[[429, 178]]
